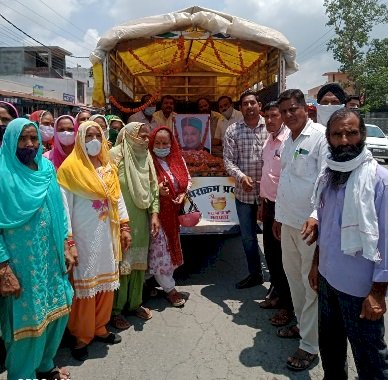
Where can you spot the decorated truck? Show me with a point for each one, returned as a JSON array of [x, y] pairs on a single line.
[[193, 53]]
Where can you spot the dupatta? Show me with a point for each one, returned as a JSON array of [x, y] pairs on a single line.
[[78, 175]]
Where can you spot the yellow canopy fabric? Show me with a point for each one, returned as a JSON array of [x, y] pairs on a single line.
[[182, 52]]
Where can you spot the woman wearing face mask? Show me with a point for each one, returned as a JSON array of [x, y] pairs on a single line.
[[115, 126], [35, 294], [7, 113], [140, 191], [45, 120], [98, 227], [101, 121], [64, 137], [174, 181], [81, 117]]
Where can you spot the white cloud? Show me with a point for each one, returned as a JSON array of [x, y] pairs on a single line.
[[76, 24], [310, 72]]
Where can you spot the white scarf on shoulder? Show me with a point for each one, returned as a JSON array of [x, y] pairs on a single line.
[[359, 229]]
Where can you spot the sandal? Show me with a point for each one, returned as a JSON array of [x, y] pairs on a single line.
[[282, 318], [301, 360], [55, 374], [143, 313], [269, 303], [291, 332], [175, 298], [111, 338], [119, 322]]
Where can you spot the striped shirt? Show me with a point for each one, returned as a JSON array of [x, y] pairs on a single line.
[[243, 149]]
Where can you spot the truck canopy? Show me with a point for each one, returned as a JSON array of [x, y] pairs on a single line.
[[188, 54]]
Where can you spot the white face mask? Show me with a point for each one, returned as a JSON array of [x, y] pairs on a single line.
[[66, 138], [47, 132], [325, 111], [228, 113], [93, 147], [106, 133]]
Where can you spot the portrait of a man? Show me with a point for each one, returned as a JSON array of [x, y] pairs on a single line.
[[193, 132]]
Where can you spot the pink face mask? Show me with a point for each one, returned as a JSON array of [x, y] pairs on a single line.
[[66, 138], [47, 132]]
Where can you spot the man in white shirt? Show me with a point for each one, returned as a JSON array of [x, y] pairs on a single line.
[[229, 117], [166, 115], [302, 160], [144, 116]]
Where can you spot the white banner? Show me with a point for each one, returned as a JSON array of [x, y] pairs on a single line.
[[214, 197]]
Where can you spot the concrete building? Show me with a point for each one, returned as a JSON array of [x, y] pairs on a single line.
[[37, 77], [333, 76]]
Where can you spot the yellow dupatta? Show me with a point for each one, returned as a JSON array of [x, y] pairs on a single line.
[[78, 175]]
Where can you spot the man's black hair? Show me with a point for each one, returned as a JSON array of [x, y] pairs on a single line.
[[292, 93], [269, 105]]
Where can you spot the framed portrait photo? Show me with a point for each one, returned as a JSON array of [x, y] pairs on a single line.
[[193, 131]]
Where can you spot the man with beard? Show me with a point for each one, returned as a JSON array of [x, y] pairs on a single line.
[[302, 161], [350, 266]]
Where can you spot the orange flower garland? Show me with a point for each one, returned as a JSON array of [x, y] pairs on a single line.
[[133, 110], [181, 47], [203, 47], [221, 61]]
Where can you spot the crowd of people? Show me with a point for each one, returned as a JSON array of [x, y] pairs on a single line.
[[89, 208], [89, 212]]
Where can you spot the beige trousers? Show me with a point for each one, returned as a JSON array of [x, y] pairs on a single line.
[[297, 259]]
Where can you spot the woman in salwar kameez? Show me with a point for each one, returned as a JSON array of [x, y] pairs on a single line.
[[174, 181], [139, 187], [98, 226], [65, 130], [35, 294]]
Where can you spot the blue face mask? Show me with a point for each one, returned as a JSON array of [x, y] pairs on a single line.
[[149, 111], [162, 152]]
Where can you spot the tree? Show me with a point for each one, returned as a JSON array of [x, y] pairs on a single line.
[[374, 79], [352, 21]]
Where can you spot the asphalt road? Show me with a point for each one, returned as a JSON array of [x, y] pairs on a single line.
[[221, 333]]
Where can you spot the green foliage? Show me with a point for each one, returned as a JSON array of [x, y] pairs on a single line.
[[363, 60], [375, 76]]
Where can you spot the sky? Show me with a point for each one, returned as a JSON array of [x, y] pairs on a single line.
[[76, 25]]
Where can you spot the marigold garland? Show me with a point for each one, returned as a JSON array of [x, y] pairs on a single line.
[[222, 62], [180, 43], [195, 58], [133, 110]]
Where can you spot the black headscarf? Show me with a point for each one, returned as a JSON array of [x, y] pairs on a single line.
[[335, 89]]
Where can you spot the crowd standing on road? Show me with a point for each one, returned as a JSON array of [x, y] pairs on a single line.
[[89, 212]]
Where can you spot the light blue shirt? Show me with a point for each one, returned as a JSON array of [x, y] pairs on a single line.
[[352, 275]]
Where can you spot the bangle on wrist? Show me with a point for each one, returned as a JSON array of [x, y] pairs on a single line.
[[70, 243]]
